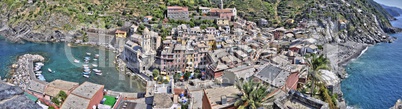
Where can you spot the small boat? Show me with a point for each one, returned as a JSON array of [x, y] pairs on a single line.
[[95, 59], [87, 58], [97, 70], [38, 72], [94, 65], [50, 70], [88, 53], [100, 74], [76, 61], [39, 64], [85, 65], [85, 73], [37, 68], [96, 55], [86, 76], [87, 70], [41, 77]]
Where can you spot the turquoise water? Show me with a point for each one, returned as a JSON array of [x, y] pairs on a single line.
[[60, 57], [375, 78]]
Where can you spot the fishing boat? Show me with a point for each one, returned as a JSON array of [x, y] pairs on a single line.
[[41, 77], [85, 73], [97, 70], [88, 53], [94, 65], [87, 70], [37, 68], [39, 64], [50, 70], [100, 74], [38, 72], [86, 76], [76, 61]]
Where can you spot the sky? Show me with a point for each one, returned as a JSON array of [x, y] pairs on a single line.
[[394, 3]]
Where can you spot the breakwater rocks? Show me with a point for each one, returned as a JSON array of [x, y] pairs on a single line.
[[22, 71]]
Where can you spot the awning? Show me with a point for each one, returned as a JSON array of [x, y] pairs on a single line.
[[31, 97]]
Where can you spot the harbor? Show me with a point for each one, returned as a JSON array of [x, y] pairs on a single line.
[[66, 63]]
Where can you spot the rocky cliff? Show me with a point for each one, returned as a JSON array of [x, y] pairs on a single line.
[[362, 21], [393, 11]]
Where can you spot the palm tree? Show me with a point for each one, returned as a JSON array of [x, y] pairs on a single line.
[[316, 63], [253, 95]]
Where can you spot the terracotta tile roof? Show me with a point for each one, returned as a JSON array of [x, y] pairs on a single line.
[[120, 31], [221, 10], [291, 82], [177, 8]]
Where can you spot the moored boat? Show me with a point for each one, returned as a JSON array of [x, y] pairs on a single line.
[[94, 65], [41, 77], [97, 70], [50, 70], [76, 61], [88, 53], [86, 76], [98, 74], [85, 73]]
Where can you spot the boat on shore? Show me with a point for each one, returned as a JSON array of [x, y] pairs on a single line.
[[41, 77], [38, 66], [38, 72]]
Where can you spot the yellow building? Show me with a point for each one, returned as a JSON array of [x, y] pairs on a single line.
[[211, 41], [222, 22], [120, 39], [190, 61], [120, 34]]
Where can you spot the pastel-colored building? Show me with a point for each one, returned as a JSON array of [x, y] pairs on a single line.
[[86, 96], [177, 12]]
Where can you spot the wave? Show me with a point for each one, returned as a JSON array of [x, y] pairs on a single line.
[[363, 51]]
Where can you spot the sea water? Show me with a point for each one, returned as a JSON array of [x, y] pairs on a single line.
[[375, 78], [60, 59]]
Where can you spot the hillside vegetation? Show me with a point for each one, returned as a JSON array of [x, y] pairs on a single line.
[[43, 17]]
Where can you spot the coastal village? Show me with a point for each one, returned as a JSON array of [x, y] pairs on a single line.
[[199, 67]]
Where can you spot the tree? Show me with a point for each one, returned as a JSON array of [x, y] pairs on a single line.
[[197, 73], [187, 75], [177, 76], [62, 95], [56, 101], [155, 73], [253, 95], [316, 63]]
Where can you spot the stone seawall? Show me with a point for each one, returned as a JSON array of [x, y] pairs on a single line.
[[22, 71]]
